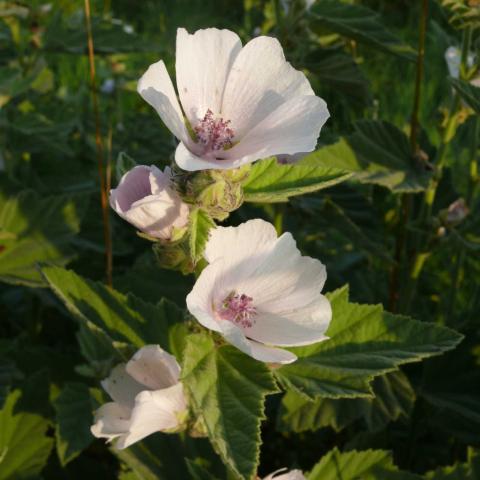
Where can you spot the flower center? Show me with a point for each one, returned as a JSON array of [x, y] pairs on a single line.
[[214, 133], [239, 309]]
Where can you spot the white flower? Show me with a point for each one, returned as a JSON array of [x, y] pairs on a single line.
[[259, 292], [145, 199], [291, 475], [453, 57], [240, 104], [147, 398]]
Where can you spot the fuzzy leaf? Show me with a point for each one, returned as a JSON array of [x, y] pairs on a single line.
[[74, 417], [24, 446], [125, 318], [271, 182], [359, 23], [227, 389], [200, 225], [365, 342]]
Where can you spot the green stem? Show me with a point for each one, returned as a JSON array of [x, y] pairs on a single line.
[[279, 211]]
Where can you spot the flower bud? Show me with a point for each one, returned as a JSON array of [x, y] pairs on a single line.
[[145, 198]]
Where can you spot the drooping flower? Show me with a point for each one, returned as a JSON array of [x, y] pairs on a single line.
[[147, 398], [260, 293], [145, 199], [291, 475], [240, 104]]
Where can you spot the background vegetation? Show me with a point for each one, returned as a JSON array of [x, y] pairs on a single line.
[[377, 231]]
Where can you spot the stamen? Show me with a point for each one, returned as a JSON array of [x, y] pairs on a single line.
[[214, 133], [238, 309]]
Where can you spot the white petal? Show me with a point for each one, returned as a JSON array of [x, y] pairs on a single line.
[[203, 62], [159, 181], [122, 387], [156, 88], [260, 352], [293, 127], [154, 368], [260, 80], [292, 475], [133, 186], [303, 326], [111, 421], [154, 412], [233, 243], [190, 162]]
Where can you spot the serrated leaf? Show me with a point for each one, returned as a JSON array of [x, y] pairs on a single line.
[[470, 93], [359, 23], [271, 182], [461, 471], [200, 225], [228, 389], [74, 417], [394, 397], [24, 446], [351, 465], [379, 153], [36, 229], [125, 318], [365, 342]]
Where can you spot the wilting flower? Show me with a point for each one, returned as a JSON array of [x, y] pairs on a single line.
[[240, 104], [259, 292], [147, 398], [144, 198], [291, 475]]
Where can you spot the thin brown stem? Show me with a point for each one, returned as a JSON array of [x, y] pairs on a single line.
[[99, 146]]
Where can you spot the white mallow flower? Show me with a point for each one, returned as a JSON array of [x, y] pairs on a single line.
[[259, 292], [240, 104], [291, 475], [144, 197], [147, 398]]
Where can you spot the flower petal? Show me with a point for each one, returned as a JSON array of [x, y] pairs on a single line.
[[203, 62], [133, 186], [191, 163], [122, 387], [156, 88], [153, 367], [111, 421], [303, 326], [259, 82], [155, 411], [291, 475], [292, 128], [260, 352]]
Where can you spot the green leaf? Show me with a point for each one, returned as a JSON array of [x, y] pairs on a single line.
[[271, 182], [461, 471], [351, 465], [379, 153], [470, 93], [227, 389], [74, 417], [360, 24], [394, 397], [125, 318], [364, 342], [198, 472], [200, 225], [24, 446], [463, 13], [36, 229]]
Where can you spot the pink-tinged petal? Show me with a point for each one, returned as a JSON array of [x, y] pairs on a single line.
[[187, 160], [159, 181], [154, 411], [303, 326], [203, 62], [111, 421], [259, 82], [234, 243], [153, 367], [293, 127], [122, 387], [156, 88], [258, 351], [134, 185]]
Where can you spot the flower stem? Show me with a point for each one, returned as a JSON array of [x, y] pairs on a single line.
[[99, 148]]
